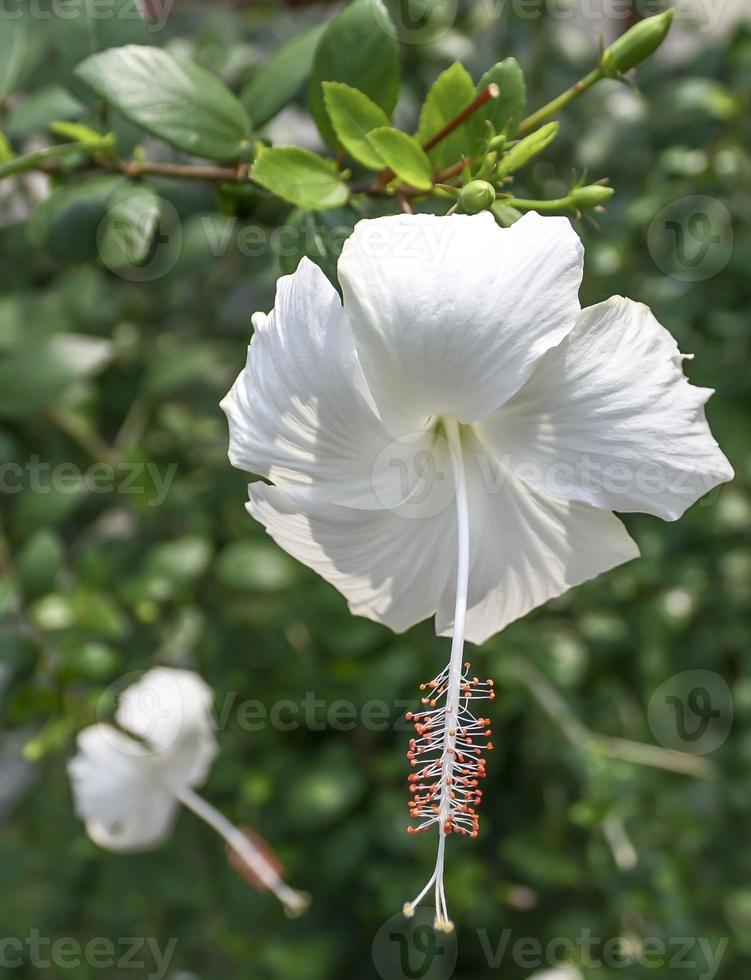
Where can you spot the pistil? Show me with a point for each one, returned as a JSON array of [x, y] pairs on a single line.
[[450, 742]]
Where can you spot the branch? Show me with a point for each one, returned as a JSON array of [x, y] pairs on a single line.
[[640, 753], [560, 101], [491, 91], [185, 171]]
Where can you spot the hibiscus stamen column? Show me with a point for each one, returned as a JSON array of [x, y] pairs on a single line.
[[294, 902], [445, 786]]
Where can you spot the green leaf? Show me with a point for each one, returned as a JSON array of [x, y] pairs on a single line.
[[21, 43], [320, 236], [279, 80], [527, 148], [89, 27], [353, 115], [171, 98], [40, 109], [359, 48], [38, 562], [67, 223], [36, 374], [451, 92], [127, 232], [404, 155], [505, 112], [254, 566], [300, 177]]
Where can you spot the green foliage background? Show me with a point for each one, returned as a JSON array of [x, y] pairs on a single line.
[[97, 585]]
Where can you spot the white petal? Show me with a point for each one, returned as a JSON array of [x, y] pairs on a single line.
[[118, 792], [450, 314], [300, 412], [525, 547], [391, 568], [609, 418], [171, 710]]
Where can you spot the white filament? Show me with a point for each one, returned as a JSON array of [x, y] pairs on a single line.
[[294, 902]]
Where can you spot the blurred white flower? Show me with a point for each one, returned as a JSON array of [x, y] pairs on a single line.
[[559, 973], [453, 439], [128, 782]]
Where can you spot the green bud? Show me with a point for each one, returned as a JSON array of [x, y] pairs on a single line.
[[476, 196], [637, 44], [6, 150], [591, 196], [527, 148]]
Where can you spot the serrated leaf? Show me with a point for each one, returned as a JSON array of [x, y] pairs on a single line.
[[301, 177], [404, 155], [353, 115], [171, 98], [451, 92], [527, 148], [279, 80], [357, 47], [505, 112]]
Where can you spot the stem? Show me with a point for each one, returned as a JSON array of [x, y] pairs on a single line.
[[640, 753], [293, 901], [491, 91], [560, 101], [35, 159], [557, 204], [185, 171]]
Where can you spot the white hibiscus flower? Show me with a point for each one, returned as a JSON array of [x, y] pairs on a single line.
[[128, 782], [453, 440]]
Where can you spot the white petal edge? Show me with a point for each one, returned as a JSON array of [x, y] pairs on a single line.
[[171, 710], [118, 793], [300, 413], [451, 314], [390, 568], [526, 547], [609, 418]]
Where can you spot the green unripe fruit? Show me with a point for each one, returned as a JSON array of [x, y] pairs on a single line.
[[638, 43], [476, 196], [591, 196]]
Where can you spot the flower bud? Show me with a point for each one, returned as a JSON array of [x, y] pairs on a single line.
[[638, 43], [476, 196], [591, 196], [527, 148]]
